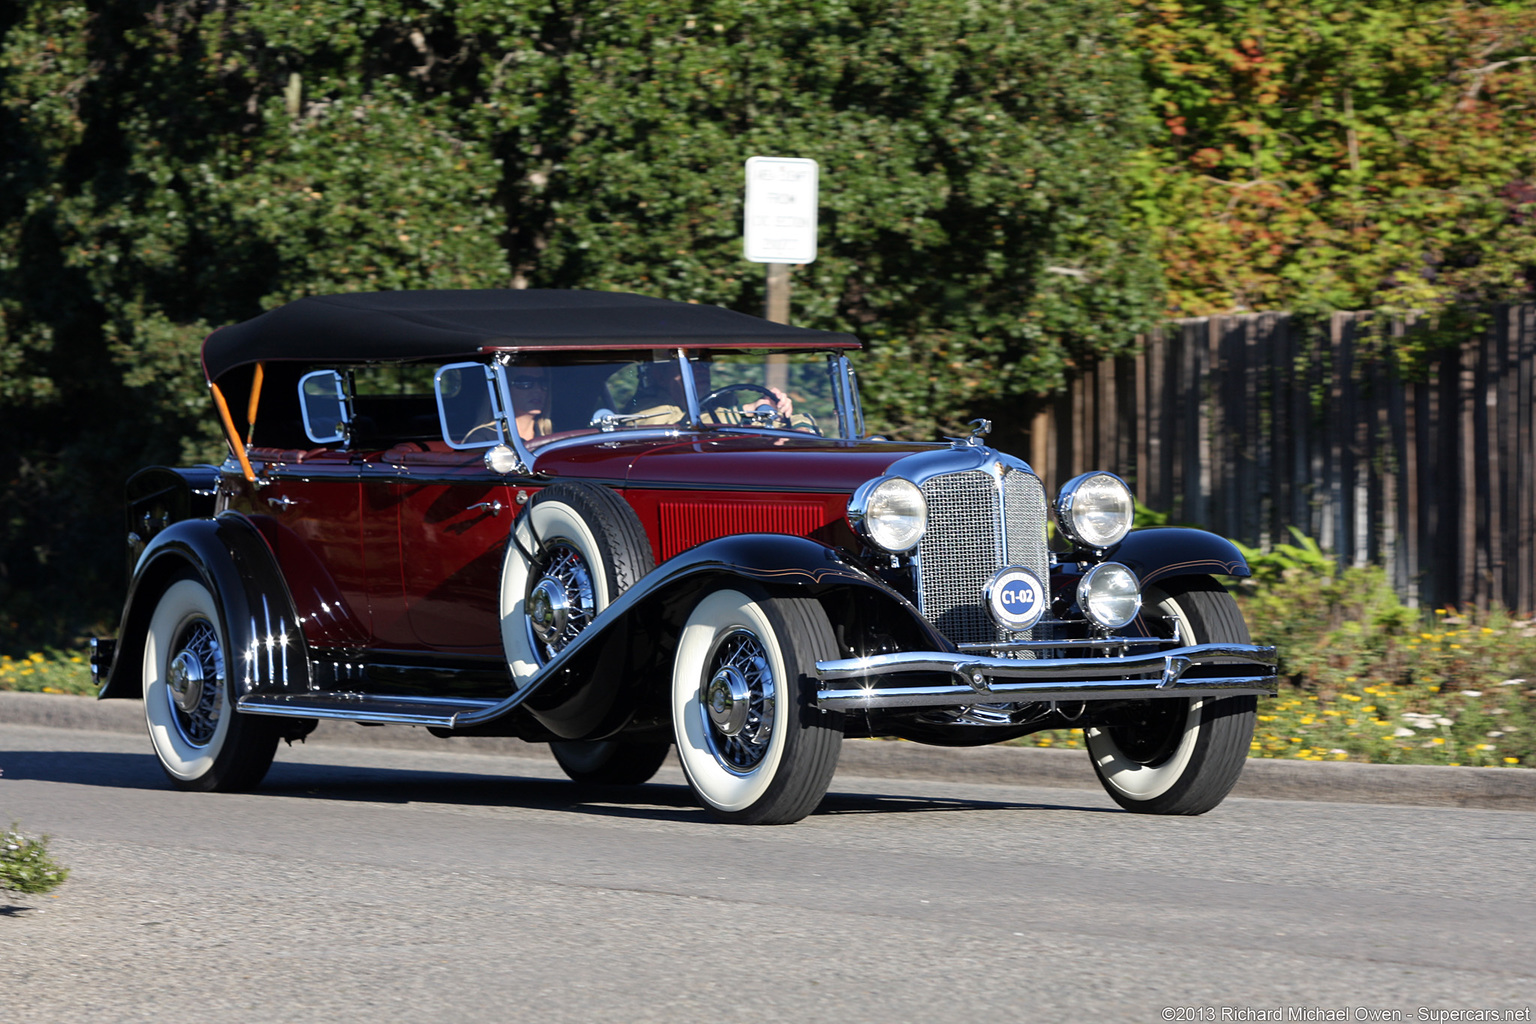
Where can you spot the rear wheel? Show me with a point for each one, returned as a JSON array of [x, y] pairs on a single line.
[[610, 762], [1179, 756], [189, 705], [752, 743]]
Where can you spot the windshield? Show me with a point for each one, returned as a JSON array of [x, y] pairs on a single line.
[[779, 392]]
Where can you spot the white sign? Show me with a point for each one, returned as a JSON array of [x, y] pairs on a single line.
[[781, 210]]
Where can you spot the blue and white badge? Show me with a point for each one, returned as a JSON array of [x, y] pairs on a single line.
[[1015, 598]]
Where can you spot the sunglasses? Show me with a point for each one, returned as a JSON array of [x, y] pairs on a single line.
[[528, 383]]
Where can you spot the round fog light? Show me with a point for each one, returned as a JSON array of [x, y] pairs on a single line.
[[1110, 595]]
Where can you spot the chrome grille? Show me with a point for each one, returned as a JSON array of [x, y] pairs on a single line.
[[973, 531]]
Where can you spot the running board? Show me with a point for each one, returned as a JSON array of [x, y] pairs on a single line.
[[362, 707]]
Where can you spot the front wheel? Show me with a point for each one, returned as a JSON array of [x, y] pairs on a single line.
[[1179, 756], [752, 743], [189, 705]]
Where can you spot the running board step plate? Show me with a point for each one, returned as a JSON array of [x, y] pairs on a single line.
[[362, 707]]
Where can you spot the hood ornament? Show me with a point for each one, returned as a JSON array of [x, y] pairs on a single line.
[[979, 430]]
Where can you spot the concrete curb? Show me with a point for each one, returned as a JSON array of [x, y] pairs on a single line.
[[1512, 789]]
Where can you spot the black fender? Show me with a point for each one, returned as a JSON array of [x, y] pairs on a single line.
[[158, 496], [567, 698], [1161, 552], [266, 646]]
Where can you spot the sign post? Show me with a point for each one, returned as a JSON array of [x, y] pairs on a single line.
[[780, 222]]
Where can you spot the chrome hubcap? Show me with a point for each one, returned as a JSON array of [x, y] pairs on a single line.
[[548, 611], [185, 678], [561, 601], [738, 701], [730, 701]]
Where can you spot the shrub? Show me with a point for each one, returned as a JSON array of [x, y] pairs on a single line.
[[25, 865]]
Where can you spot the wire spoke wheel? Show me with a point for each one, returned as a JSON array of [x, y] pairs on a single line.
[[753, 745], [195, 683], [561, 599], [737, 702]]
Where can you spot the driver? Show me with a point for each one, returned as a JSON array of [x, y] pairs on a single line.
[[662, 399]]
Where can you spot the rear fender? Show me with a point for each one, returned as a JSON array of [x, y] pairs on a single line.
[[266, 647]]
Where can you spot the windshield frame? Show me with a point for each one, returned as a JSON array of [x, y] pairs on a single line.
[[844, 395]]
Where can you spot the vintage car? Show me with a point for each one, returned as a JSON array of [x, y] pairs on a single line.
[[619, 524]]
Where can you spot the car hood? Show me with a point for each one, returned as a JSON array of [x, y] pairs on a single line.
[[733, 462]]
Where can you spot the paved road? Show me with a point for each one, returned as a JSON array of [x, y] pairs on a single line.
[[369, 883]]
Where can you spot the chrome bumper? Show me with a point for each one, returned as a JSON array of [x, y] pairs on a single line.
[[852, 684]]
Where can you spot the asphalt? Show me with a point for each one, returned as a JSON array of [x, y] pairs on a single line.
[[1512, 789]]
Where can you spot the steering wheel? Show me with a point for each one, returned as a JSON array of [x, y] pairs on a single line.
[[712, 400]]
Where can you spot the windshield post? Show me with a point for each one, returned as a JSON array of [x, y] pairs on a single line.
[[507, 414], [695, 414], [850, 414]]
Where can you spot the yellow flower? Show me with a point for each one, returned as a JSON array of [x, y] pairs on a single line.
[[1511, 760], [1438, 741]]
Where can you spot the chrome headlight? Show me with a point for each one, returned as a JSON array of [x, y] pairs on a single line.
[[1095, 510], [890, 513], [1109, 594]]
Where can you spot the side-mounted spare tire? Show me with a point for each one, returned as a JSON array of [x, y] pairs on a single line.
[[573, 551]]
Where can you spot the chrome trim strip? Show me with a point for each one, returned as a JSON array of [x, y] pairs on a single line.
[[990, 680], [1031, 645]]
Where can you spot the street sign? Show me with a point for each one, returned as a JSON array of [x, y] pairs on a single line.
[[781, 210]]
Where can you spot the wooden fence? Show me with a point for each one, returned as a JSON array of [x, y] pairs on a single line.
[[1246, 425]]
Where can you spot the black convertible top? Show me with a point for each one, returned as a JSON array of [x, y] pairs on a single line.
[[383, 326]]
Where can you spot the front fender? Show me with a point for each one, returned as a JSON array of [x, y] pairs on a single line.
[[565, 696], [1162, 552], [266, 647]]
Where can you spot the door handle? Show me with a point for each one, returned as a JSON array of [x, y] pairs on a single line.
[[281, 503], [493, 507]]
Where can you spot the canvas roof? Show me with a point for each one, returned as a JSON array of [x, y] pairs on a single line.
[[440, 325]]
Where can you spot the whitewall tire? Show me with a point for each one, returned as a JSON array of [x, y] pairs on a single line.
[[1179, 756], [752, 744], [201, 742]]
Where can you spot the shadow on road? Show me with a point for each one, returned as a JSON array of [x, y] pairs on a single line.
[[372, 784]]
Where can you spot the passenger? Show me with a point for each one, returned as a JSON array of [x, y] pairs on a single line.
[[530, 397]]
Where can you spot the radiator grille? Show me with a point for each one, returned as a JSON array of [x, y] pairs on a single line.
[[973, 531]]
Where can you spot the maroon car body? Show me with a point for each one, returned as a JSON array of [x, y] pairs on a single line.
[[618, 525]]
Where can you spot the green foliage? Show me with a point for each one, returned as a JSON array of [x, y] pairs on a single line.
[[47, 672], [175, 166], [25, 865], [1337, 154]]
